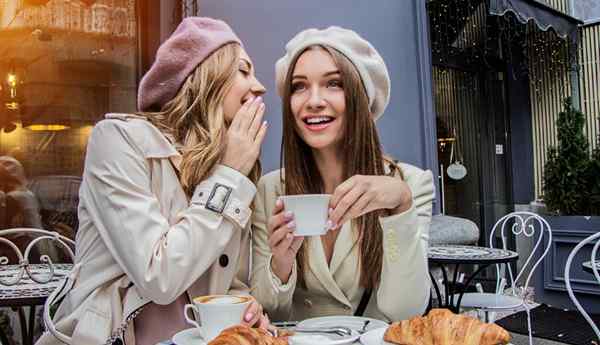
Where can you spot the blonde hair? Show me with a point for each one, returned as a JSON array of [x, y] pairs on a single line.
[[194, 118]]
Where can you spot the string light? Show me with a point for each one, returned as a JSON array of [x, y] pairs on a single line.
[[461, 30], [11, 80]]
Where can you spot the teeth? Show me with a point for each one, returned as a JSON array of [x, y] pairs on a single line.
[[320, 119]]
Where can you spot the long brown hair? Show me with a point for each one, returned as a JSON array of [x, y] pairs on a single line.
[[362, 154], [194, 118]]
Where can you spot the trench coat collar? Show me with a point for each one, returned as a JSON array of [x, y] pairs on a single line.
[[152, 142]]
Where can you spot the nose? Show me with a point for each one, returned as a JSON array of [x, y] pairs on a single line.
[[257, 88], [315, 100]]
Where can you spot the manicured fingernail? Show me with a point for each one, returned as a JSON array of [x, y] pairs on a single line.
[[258, 99], [265, 123], [330, 210], [333, 226], [291, 224], [248, 317], [288, 215], [328, 225], [278, 202]]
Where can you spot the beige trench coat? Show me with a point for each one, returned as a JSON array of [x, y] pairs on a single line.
[[140, 240], [334, 289]]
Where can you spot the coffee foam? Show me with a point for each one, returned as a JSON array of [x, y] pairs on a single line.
[[221, 299]]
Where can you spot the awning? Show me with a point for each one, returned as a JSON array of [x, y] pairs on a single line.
[[544, 16]]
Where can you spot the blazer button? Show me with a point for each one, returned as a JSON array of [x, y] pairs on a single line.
[[308, 303], [224, 260]]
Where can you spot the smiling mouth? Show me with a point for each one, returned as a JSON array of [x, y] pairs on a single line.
[[318, 120]]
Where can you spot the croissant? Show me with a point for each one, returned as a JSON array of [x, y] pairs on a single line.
[[442, 327], [244, 335]]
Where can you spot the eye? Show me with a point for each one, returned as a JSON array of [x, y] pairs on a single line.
[[334, 83], [245, 72], [298, 86]]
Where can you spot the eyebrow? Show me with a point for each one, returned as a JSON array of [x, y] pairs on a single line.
[[326, 74]]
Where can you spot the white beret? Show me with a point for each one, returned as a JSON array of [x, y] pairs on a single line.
[[364, 57]]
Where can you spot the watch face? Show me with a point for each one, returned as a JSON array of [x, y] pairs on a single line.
[[457, 171]]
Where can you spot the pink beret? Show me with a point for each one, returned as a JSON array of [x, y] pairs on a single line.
[[193, 41]]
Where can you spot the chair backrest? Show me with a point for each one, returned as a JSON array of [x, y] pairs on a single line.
[[58, 198], [528, 224], [580, 245], [38, 244]]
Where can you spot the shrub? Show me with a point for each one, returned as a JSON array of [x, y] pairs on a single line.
[[571, 178]]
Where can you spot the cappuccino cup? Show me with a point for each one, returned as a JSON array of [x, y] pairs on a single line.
[[310, 213], [214, 313]]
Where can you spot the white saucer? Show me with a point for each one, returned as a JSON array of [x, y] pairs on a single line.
[[189, 336]]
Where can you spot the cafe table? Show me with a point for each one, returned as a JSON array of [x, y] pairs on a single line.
[[457, 255], [28, 293]]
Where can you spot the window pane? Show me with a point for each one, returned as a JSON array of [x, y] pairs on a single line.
[[63, 65]]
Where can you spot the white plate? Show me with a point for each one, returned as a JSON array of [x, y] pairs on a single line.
[[190, 336], [375, 337], [355, 323], [322, 339]]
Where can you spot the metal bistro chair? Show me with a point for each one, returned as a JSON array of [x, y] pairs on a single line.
[[24, 281], [513, 298], [595, 271]]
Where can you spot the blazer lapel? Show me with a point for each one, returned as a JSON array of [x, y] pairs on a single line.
[[318, 265], [344, 244]]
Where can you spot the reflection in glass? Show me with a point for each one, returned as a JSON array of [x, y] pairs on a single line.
[[63, 65]]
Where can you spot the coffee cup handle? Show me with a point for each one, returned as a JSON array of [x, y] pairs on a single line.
[[191, 321]]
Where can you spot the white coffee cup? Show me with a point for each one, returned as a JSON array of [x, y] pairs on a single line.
[[310, 213], [215, 313]]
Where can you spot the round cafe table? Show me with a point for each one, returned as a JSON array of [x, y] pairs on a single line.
[[456, 255], [28, 293]]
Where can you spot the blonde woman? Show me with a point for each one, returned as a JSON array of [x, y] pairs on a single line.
[[334, 85], [166, 194]]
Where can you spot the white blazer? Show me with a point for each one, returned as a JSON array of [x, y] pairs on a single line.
[[334, 289]]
